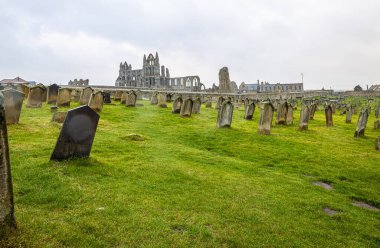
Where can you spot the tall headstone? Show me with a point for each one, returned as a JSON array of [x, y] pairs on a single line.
[[289, 115], [13, 104], [362, 122], [52, 93], [7, 218], [225, 113], [118, 95], [107, 97], [219, 102], [282, 111], [85, 96], [161, 100], [209, 103], [329, 116], [377, 124], [186, 108], [64, 97], [197, 103], [130, 100], [123, 98], [266, 118], [313, 109], [25, 89], [77, 134], [96, 101], [304, 118], [249, 106], [177, 103], [36, 97], [348, 114], [377, 143]]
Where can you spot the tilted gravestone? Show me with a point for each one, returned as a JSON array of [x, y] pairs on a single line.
[[161, 100], [289, 115], [153, 99], [348, 114], [106, 97], [130, 100], [177, 103], [77, 134], [313, 109], [328, 114], [25, 89], [7, 218], [96, 101], [13, 104], [85, 96], [266, 118], [52, 93], [282, 111], [64, 97], [304, 118], [362, 122], [197, 103], [219, 102], [123, 98], [75, 95], [225, 113], [36, 97], [249, 106], [186, 108], [377, 124]]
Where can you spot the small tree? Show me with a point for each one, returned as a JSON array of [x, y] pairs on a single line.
[[358, 88]]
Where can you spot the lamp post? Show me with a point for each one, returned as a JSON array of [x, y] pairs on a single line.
[[302, 77]]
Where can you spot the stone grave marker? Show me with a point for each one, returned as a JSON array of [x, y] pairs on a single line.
[[362, 122], [177, 103], [328, 114], [58, 117], [77, 134], [36, 97], [153, 99], [225, 113], [304, 118], [52, 93], [197, 103], [130, 100], [107, 97], [64, 97], [186, 108], [313, 109], [75, 95], [85, 96], [289, 115], [13, 104], [219, 102], [266, 117], [348, 114], [282, 111], [123, 98], [161, 99], [249, 106], [118, 95], [96, 101]]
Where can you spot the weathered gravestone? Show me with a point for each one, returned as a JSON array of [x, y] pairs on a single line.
[[64, 97], [377, 143], [77, 134], [25, 89], [225, 113], [289, 115], [362, 122], [85, 96], [377, 124], [130, 100], [118, 95], [106, 97], [169, 97], [36, 97], [12, 104], [58, 117], [75, 95], [329, 117], [96, 101], [186, 108], [266, 117], [123, 98], [282, 111], [52, 93], [139, 95], [177, 103], [161, 100], [219, 102], [153, 99], [209, 104], [249, 106], [348, 114], [197, 103], [304, 118], [377, 111], [7, 219], [313, 109]]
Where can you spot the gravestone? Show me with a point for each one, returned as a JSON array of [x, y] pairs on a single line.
[[75, 95], [377, 143], [197, 103], [186, 108], [139, 95], [209, 104], [77, 134], [131, 98], [266, 118], [219, 102], [36, 97], [118, 95], [161, 100], [168, 97], [106, 97], [313, 109], [96, 101], [289, 115], [377, 124], [348, 114], [225, 113], [282, 111], [304, 118], [123, 98], [328, 114], [58, 117], [64, 97], [153, 99], [25, 89], [13, 104], [7, 218], [362, 122], [249, 106], [377, 111], [177, 103], [85, 96], [52, 93]]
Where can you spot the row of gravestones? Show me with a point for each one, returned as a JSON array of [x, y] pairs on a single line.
[[185, 105]]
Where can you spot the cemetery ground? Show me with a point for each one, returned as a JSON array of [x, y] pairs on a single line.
[[183, 182]]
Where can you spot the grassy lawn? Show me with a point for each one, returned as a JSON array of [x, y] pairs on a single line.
[[191, 184]]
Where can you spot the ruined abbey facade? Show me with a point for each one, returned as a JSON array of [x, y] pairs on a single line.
[[154, 76]]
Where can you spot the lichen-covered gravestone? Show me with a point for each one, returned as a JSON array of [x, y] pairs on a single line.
[[64, 97], [106, 97], [289, 115], [377, 124], [348, 114], [304, 118], [225, 113], [362, 122], [329, 117], [186, 108], [209, 103], [313, 108], [7, 219], [85, 96], [77, 134], [36, 97], [177, 103], [12, 104], [377, 143], [197, 103], [52, 93], [161, 99], [153, 99], [96, 101], [249, 106], [219, 102], [123, 98], [130, 100], [266, 118], [282, 111], [75, 95], [118, 95]]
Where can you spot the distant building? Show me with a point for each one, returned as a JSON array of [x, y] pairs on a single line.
[[79, 82], [16, 80], [267, 87], [375, 87]]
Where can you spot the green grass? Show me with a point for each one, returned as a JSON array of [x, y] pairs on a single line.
[[191, 184]]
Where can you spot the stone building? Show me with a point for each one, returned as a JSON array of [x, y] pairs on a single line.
[[267, 87], [79, 82], [375, 87], [154, 76]]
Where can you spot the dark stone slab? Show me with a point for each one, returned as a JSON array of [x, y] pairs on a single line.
[[106, 97], [52, 93], [13, 104], [77, 134]]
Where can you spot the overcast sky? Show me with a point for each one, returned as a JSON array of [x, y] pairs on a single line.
[[335, 43]]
